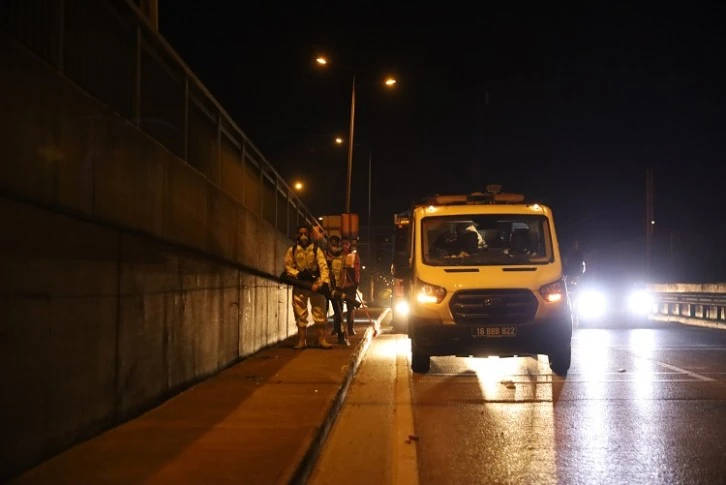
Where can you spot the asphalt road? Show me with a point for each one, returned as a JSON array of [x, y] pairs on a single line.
[[639, 406]]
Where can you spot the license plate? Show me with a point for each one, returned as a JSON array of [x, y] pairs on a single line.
[[494, 331]]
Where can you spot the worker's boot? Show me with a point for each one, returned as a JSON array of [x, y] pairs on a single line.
[[322, 343], [351, 319], [342, 338], [301, 343], [337, 319]]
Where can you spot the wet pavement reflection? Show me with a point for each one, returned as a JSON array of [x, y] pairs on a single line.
[[638, 406]]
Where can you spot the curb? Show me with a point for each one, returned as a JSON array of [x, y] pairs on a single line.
[[303, 469]]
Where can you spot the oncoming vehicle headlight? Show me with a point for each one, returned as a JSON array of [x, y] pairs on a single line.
[[640, 302], [591, 304], [401, 308], [429, 293]]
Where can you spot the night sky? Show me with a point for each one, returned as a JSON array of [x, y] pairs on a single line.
[[567, 105]]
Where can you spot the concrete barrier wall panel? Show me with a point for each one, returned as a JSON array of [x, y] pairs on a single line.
[[64, 301], [46, 137], [248, 320], [201, 283], [250, 244], [229, 309], [268, 256], [150, 283], [185, 208], [231, 169], [222, 224], [128, 173]]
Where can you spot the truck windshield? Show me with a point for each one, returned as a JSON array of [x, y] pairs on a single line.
[[483, 240]]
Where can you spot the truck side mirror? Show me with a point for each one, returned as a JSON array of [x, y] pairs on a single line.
[[574, 267]]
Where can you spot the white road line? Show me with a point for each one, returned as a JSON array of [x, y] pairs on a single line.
[[405, 460], [572, 379], [614, 381], [684, 371], [672, 347]]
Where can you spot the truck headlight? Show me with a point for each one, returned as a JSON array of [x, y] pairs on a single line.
[[554, 292], [401, 308], [430, 293], [640, 302]]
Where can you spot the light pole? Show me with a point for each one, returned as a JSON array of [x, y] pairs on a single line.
[[340, 141], [649, 219], [389, 82], [150, 9], [350, 148], [370, 223]]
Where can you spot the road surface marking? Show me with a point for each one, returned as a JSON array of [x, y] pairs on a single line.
[[405, 464], [684, 371]]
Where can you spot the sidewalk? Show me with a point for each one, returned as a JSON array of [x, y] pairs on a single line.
[[262, 421]]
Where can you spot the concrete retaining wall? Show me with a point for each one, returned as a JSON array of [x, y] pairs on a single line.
[[125, 274]]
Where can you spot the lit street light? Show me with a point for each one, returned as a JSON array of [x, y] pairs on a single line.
[[388, 82], [298, 186]]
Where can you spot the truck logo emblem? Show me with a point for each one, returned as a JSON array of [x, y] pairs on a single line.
[[491, 301]]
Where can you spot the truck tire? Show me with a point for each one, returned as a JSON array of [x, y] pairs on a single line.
[[420, 362], [560, 358]]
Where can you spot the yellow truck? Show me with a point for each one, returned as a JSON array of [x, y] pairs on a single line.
[[480, 275]]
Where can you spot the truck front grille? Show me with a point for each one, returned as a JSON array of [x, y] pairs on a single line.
[[493, 307]]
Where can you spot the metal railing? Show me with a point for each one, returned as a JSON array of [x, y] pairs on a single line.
[[683, 303], [109, 49]]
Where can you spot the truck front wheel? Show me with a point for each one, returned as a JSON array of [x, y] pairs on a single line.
[[420, 362], [560, 358]]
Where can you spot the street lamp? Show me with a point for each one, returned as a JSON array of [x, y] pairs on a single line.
[[388, 82], [298, 186]]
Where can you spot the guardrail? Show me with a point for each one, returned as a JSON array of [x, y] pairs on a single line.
[[110, 50], [693, 304]]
